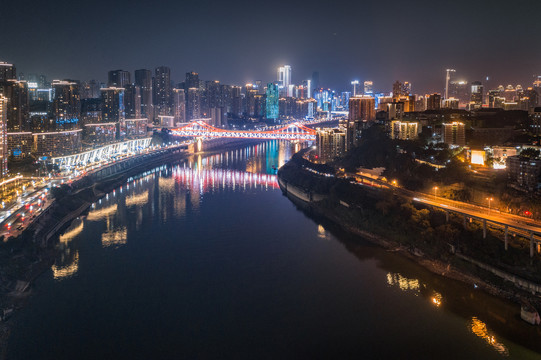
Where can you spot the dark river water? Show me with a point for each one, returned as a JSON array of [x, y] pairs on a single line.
[[206, 259]]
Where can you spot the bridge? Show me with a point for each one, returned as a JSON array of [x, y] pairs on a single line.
[[102, 153], [199, 128]]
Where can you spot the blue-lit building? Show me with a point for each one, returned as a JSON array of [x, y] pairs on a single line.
[[272, 107]]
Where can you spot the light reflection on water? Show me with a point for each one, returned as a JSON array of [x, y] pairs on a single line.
[[171, 192], [480, 329]]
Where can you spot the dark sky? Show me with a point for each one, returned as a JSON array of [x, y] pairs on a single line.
[[239, 41]]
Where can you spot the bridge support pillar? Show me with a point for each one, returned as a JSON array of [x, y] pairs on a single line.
[[465, 223], [484, 228], [531, 244], [506, 236], [447, 216]]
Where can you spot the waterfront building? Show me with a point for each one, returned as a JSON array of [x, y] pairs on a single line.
[[16, 94], [454, 133], [3, 137], [272, 106], [135, 128], [143, 79], [57, 143], [66, 110], [404, 130], [98, 134], [118, 78], [330, 144], [20, 144]]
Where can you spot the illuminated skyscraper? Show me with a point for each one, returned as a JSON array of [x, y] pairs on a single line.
[[66, 108], [3, 137], [284, 78], [162, 91], [272, 107], [113, 110], [17, 107], [193, 106], [362, 108], [368, 88], [118, 78], [143, 79], [476, 95]]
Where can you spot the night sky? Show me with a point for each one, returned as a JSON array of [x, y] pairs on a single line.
[[241, 41]]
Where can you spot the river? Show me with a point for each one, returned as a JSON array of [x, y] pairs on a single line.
[[206, 259]]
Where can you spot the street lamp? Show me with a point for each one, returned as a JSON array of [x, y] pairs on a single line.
[[489, 201], [435, 191]]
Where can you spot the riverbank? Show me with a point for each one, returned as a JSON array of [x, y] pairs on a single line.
[[383, 218]]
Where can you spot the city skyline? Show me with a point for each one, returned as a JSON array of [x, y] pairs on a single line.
[[304, 37]]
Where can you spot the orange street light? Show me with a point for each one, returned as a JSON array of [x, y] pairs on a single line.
[[435, 191], [489, 201]]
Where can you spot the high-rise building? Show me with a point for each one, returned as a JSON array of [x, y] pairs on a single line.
[[66, 110], [193, 106], [454, 133], [368, 88], [330, 144], [16, 93], [236, 101], [433, 101], [3, 137], [132, 101], [476, 95], [162, 91], [284, 79], [362, 108], [192, 80], [118, 78], [143, 79], [7, 72], [307, 84], [401, 89], [461, 91], [90, 90], [179, 106], [113, 110], [249, 100], [404, 130]]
